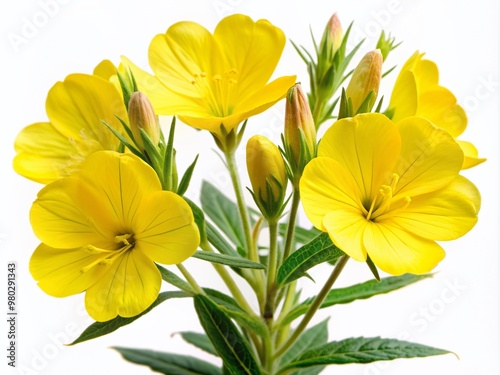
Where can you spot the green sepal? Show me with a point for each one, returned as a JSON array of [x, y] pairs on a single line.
[[168, 363], [122, 139], [128, 85], [186, 178], [169, 160]]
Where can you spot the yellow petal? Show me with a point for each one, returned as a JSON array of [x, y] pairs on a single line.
[[165, 228], [43, 154], [186, 49], [426, 75], [442, 215], [404, 97], [471, 158], [77, 107], [346, 229], [440, 107], [119, 182], [59, 271], [396, 251], [105, 69], [367, 146], [429, 158], [326, 186], [252, 48], [60, 216], [129, 286]]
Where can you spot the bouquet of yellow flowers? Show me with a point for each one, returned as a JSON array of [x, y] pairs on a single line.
[[381, 185]]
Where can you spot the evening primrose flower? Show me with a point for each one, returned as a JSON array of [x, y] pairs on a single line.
[[76, 107], [417, 93], [215, 80], [103, 229], [389, 191]]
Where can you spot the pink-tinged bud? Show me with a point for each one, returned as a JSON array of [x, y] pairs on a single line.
[[366, 78], [142, 116], [298, 119], [332, 35], [266, 170]]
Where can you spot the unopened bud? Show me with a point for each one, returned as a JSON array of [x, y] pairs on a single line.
[[299, 120], [142, 116], [266, 170], [365, 79], [332, 36]]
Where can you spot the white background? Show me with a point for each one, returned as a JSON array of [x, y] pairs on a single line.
[[457, 310]]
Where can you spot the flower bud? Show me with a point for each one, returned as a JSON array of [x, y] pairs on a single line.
[[142, 116], [298, 119], [266, 170], [366, 78], [332, 36]]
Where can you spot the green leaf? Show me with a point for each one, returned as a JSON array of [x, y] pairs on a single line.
[[312, 337], [175, 280], [200, 340], [223, 212], [219, 242], [356, 292], [361, 350], [168, 363], [232, 309], [319, 250], [301, 235], [225, 337], [98, 329], [228, 260]]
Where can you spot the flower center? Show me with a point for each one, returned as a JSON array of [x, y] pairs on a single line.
[[383, 201], [218, 91], [107, 257]]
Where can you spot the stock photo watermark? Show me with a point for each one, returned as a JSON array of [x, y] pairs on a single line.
[[32, 25]]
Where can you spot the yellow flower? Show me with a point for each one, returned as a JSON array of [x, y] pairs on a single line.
[[212, 80], [102, 230], [417, 93], [47, 151], [389, 191]]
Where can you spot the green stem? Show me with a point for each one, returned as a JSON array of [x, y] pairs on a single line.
[[272, 265], [190, 279], [242, 208], [291, 223], [245, 220], [316, 304], [229, 281]]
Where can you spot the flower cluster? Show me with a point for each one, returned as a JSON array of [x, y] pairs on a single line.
[[381, 187]]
